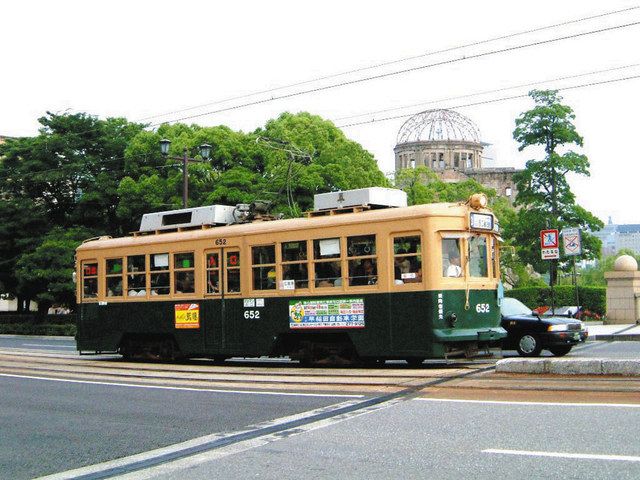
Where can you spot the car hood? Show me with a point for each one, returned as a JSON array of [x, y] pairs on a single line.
[[546, 320]]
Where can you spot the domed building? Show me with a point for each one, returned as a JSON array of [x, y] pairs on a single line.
[[449, 144]]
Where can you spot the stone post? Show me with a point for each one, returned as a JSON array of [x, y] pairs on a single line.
[[623, 291]]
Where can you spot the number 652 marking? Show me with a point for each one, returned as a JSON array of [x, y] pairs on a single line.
[[482, 308]]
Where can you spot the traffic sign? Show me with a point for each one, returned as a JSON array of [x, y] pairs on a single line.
[[549, 244], [571, 241], [549, 238]]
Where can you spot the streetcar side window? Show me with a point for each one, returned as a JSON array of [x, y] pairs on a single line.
[[327, 270], [264, 267], [363, 264], [136, 276], [213, 272], [183, 273], [478, 256], [407, 259], [232, 272], [90, 280], [160, 279], [115, 275], [294, 265], [451, 261]]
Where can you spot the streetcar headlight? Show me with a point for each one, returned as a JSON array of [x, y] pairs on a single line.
[[478, 200], [558, 328]]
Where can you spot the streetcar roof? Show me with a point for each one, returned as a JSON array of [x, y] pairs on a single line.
[[264, 227]]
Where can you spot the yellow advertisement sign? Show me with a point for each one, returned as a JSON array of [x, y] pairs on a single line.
[[187, 315]]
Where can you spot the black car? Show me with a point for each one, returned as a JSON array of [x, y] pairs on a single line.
[[529, 333]]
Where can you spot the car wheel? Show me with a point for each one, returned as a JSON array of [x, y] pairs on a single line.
[[560, 350], [529, 345]]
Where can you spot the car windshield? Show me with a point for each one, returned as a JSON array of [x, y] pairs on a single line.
[[512, 306]]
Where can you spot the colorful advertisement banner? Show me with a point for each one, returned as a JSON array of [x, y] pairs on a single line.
[[326, 313], [187, 315]]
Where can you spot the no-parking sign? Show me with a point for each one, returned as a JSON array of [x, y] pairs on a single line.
[[571, 241]]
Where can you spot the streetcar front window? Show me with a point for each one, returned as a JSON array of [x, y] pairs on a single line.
[[478, 256], [451, 262]]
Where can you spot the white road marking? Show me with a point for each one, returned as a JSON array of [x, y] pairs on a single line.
[[186, 389], [544, 404], [583, 456]]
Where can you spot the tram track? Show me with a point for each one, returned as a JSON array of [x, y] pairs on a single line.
[[229, 376], [453, 378]]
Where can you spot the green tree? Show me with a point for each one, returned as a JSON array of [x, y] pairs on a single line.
[[46, 273], [66, 176], [422, 185], [246, 166], [543, 189]]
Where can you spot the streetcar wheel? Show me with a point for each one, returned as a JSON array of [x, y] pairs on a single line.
[[126, 350], [167, 351], [529, 345], [414, 362], [561, 350]]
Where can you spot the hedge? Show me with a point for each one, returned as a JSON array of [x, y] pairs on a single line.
[[37, 329], [12, 323], [593, 299]]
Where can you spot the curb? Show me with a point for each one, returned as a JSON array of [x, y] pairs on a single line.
[[614, 338], [579, 366]]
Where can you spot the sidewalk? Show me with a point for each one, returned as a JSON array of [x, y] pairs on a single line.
[[610, 333]]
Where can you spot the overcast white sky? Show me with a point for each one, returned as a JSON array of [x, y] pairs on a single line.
[[139, 58]]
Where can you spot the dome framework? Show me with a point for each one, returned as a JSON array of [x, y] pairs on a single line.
[[438, 125]]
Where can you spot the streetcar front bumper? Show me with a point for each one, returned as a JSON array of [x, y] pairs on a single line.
[[489, 335]]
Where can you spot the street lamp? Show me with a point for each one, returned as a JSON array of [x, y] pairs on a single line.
[[205, 151]]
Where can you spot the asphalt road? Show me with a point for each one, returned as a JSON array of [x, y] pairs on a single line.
[[50, 426], [442, 440]]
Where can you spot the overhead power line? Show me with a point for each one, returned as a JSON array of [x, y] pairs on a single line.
[[495, 100], [403, 71], [480, 42], [485, 92], [394, 62]]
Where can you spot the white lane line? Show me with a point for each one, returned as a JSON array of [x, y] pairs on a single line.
[[544, 404], [47, 345], [584, 456], [185, 389]]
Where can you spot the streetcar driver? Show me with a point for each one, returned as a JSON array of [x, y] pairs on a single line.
[[454, 269]]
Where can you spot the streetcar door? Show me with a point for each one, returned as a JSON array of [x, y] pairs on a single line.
[[223, 292], [213, 329]]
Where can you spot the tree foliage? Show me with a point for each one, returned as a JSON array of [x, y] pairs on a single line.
[[82, 176], [544, 194]]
